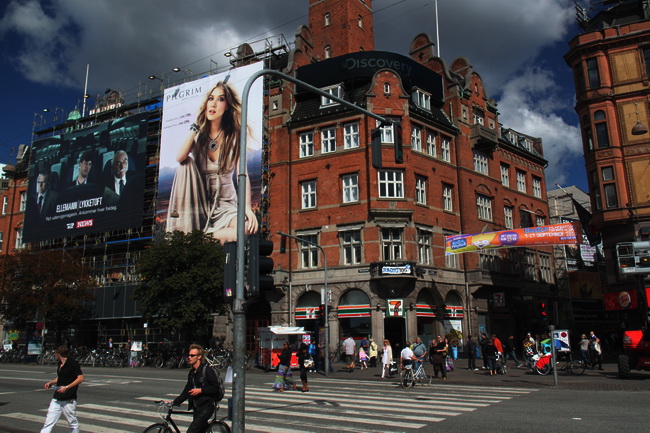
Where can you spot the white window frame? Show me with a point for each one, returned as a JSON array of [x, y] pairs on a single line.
[[451, 260], [351, 135], [391, 183], [328, 140], [488, 260], [508, 217], [416, 137], [306, 144], [386, 88], [350, 188], [351, 247], [336, 90], [480, 162], [23, 201], [545, 269], [387, 133], [308, 194], [521, 181], [327, 52], [445, 149], [530, 265], [422, 99], [420, 189], [327, 19], [19, 239], [540, 220], [505, 175], [484, 207], [308, 253], [431, 143], [391, 243], [537, 187], [424, 238], [448, 198], [479, 116], [5, 204]]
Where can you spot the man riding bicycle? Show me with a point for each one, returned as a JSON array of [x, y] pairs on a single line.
[[406, 356], [201, 390]]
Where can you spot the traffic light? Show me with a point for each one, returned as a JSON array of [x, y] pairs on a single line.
[[283, 244], [229, 270], [543, 313], [321, 313], [260, 265], [399, 151], [375, 144]]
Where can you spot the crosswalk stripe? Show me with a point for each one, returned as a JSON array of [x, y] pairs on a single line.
[[435, 384], [86, 428]]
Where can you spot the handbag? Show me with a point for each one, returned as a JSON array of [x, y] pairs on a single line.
[[309, 362]]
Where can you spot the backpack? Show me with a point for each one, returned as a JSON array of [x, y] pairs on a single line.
[[221, 390]]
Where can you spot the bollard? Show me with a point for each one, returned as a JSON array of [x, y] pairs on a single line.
[[229, 408]]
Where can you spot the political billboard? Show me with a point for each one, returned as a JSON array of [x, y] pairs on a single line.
[[199, 154], [88, 180]]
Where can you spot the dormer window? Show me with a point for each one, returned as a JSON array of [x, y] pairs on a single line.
[[422, 99], [336, 90], [386, 89]]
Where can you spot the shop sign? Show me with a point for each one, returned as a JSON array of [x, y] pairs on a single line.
[[394, 307]]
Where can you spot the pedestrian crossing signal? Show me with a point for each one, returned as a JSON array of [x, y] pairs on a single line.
[[542, 310]]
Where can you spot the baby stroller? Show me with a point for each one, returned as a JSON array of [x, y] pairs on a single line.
[[501, 364]]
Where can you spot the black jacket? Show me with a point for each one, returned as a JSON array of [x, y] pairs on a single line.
[[204, 378]]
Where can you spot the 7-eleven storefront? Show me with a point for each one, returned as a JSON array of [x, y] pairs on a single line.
[[428, 317]]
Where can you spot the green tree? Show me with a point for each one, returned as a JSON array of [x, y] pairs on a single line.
[[182, 281], [48, 286]]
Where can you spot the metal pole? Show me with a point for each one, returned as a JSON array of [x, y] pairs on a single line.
[[553, 354], [324, 299], [239, 316]]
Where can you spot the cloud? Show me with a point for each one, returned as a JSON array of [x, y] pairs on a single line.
[[529, 103]]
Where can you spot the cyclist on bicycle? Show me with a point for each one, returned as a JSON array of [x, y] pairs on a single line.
[[406, 357], [420, 351], [201, 390]]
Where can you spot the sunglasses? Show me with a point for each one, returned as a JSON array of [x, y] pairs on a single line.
[[192, 355]]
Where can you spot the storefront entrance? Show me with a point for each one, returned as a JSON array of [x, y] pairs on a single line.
[[395, 332]]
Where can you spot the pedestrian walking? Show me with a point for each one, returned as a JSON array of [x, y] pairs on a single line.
[[374, 351], [349, 348], [440, 358], [483, 343], [490, 354], [510, 351], [596, 352], [304, 363], [584, 350], [363, 359], [66, 384], [471, 353], [386, 359], [284, 378]]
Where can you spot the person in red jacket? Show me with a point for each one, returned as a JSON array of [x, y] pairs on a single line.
[[497, 343]]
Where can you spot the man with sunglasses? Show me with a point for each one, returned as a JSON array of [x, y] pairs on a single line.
[[201, 390]]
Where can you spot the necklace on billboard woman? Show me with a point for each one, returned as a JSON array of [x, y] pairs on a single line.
[[213, 141]]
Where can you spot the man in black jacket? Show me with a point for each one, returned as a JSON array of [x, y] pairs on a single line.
[[201, 389]]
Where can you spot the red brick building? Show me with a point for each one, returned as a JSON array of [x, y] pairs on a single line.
[[383, 230]]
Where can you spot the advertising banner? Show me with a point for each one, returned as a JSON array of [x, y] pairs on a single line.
[[558, 234], [199, 154], [87, 181], [624, 300]]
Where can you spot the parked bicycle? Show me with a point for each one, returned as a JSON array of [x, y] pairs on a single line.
[[165, 411], [408, 377], [565, 363]]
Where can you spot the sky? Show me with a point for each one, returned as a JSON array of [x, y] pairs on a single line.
[[47, 46]]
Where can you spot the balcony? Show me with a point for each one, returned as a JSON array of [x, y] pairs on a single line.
[[483, 138]]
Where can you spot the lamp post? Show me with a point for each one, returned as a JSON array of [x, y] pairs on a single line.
[[324, 298], [239, 316]]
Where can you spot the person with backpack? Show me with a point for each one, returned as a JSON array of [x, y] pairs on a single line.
[[203, 390]]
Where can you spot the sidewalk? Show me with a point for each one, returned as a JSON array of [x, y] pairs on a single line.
[[605, 380]]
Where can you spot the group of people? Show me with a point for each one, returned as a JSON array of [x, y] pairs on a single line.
[[591, 353], [284, 377], [202, 390], [367, 353]]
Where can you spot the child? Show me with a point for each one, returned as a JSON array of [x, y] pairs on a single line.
[[363, 358]]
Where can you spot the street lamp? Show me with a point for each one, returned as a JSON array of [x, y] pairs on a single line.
[[55, 109], [324, 298]]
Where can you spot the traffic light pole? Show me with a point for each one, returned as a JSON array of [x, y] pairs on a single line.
[[239, 315], [325, 301]]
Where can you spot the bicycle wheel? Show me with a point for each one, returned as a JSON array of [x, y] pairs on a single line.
[[406, 379], [426, 378], [158, 428], [577, 367], [218, 427], [543, 370]]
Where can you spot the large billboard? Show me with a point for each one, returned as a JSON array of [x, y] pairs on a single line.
[[199, 154], [87, 181], [557, 234]]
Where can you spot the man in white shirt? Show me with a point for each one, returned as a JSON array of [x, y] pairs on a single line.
[[120, 166], [349, 348], [406, 357]]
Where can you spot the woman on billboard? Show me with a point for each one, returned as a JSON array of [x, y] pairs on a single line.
[[203, 194]]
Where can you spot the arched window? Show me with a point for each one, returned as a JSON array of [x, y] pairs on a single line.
[[386, 88], [328, 52], [360, 20], [602, 132], [354, 313], [326, 19], [589, 136]]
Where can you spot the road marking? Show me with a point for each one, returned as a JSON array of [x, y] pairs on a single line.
[[86, 428]]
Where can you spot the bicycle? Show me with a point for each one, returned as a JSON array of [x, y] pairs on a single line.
[[165, 411], [567, 364], [408, 378]]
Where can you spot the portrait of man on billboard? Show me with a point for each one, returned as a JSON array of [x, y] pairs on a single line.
[[203, 194]]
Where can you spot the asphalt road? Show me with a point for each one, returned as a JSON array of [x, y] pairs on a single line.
[[120, 400]]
